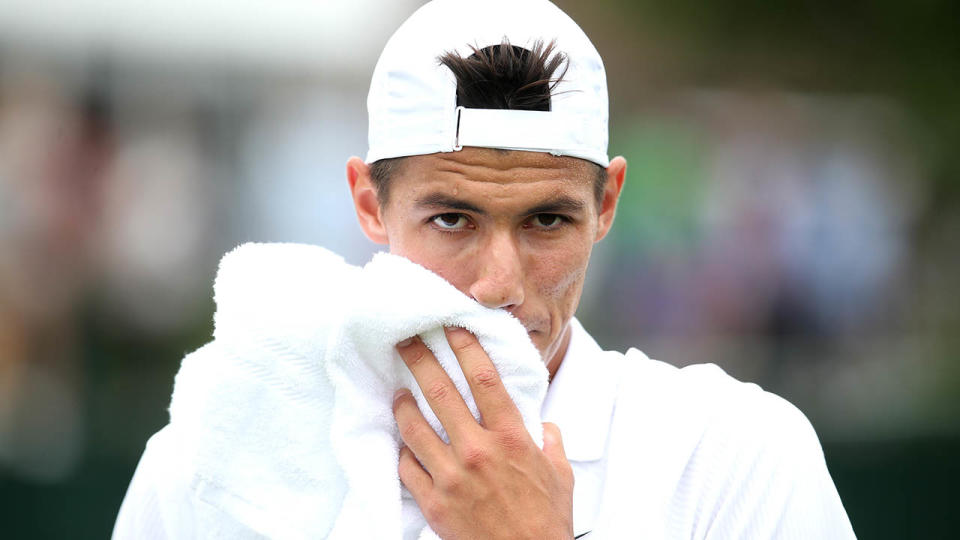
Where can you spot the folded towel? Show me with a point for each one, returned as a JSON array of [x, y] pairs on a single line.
[[285, 419]]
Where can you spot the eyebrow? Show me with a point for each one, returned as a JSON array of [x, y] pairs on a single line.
[[559, 204], [441, 201]]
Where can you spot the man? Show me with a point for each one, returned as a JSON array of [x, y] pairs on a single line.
[[487, 165]]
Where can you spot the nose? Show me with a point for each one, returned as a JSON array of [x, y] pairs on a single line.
[[499, 277]]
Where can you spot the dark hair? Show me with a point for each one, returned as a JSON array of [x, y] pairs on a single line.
[[505, 76], [500, 76]]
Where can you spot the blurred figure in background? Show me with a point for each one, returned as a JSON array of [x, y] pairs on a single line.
[[53, 159]]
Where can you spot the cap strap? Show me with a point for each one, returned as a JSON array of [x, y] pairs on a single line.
[[539, 131]]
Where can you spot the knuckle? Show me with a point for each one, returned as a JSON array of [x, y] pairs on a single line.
[[411, 431], [474, 457], [514, 440], [414, 357], [434, 510], [451, 481], [437, 391], [486, 378], [462, 343]]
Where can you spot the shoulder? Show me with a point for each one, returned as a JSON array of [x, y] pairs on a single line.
[[650, 394], [706, 406], [706, 391], [727, 455]]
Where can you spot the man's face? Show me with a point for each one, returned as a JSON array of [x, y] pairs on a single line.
[[513, 230]]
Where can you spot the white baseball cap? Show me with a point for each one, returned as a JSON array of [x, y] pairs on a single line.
[[412, 103]]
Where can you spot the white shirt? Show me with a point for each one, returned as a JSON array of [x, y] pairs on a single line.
[[661, 452], [657, 452]]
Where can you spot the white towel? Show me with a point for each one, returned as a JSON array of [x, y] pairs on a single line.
[[285, 420]]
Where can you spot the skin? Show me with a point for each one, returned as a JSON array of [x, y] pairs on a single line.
[[514, 230]]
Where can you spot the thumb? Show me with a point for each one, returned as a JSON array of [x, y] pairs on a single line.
[[553, 448]]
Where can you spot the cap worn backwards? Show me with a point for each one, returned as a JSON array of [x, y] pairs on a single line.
[[412, 103]]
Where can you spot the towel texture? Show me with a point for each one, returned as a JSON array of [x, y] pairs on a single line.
[[285, 419]]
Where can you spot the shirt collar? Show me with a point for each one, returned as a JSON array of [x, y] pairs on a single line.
[[581, 397]]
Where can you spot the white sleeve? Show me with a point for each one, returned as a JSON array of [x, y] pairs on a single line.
[[768, 475], [157, 504]]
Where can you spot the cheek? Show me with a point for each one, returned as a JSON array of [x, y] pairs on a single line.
[[433, 257], [560, 273]]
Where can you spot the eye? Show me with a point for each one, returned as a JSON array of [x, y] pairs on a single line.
[[450, 221], [548, 221]]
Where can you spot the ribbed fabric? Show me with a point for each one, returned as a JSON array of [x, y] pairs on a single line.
[[282, 426]]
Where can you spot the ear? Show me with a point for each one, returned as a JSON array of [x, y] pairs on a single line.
[[365, 200], [616, 173]]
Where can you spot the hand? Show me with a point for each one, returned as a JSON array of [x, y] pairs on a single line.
[[492, 480]]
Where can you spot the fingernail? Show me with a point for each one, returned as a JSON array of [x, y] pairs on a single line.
[[400, 393], [455, 330], [405, 343]]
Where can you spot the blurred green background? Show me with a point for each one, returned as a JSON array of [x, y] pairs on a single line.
[[791, 213]]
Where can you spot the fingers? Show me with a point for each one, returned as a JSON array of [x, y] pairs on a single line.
[[439, 391], [496, 408], [412, 474], [553, 448], [415, 431]]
